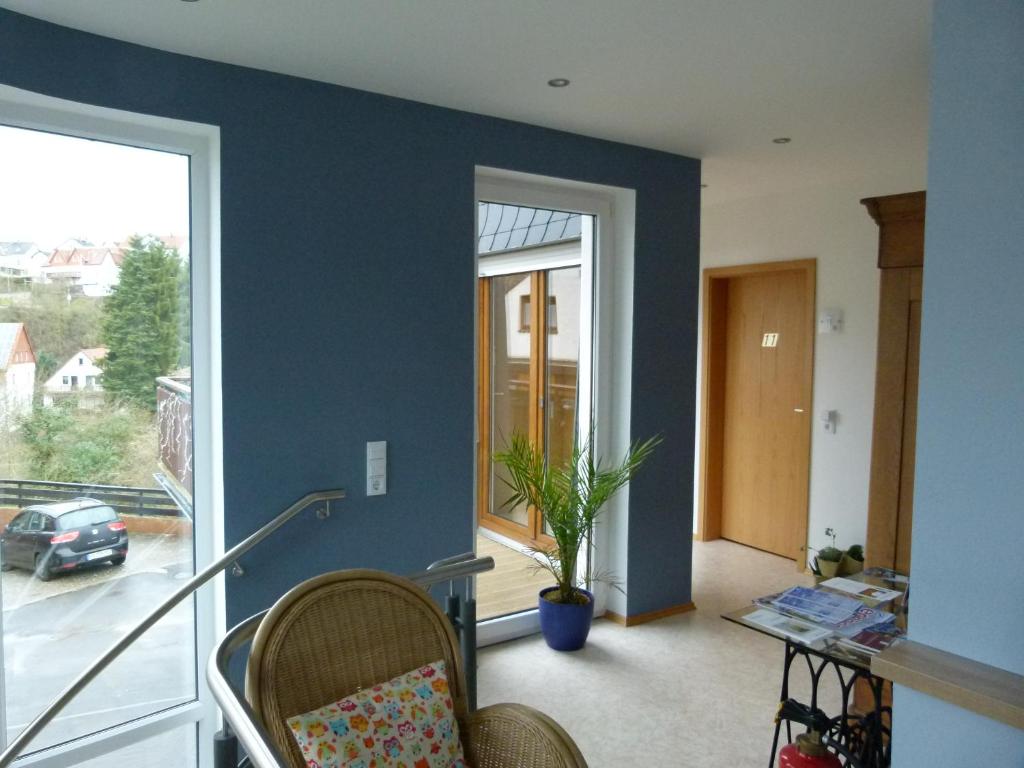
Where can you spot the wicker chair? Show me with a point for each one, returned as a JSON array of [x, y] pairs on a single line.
[[344, 631]]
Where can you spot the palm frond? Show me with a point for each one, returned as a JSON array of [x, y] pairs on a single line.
[[570, 496]]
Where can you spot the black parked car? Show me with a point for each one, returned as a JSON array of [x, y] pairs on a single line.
[[50, 538]]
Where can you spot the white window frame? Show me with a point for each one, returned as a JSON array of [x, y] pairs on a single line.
[[25, 109], [613, 249]]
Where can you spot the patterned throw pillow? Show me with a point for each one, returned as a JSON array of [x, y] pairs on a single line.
[[404, 723]]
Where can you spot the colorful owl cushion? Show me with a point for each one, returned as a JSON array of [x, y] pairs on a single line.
[[407, 722]]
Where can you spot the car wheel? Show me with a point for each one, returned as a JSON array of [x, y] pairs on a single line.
[[119, 560], [5, 566], [42, 572]]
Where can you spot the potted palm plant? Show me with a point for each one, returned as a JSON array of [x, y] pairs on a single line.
[[570, 496]]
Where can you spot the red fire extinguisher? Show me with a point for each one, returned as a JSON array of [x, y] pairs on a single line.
[[807, 752]]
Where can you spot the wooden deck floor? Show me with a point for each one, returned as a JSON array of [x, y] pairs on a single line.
[[513, 584]]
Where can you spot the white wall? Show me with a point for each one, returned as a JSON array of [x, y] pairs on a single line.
[[17, 390], [829, 225]]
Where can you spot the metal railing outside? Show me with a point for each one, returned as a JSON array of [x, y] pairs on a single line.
[[125, 499], [242, 727], [22, 740]]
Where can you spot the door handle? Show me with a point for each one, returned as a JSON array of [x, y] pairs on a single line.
[[798, 410]]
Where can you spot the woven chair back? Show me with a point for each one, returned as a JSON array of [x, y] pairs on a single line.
[[337, 634]]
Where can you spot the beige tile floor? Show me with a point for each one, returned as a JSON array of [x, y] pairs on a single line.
[[689, 690]]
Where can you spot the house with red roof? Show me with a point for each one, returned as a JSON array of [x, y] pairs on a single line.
[[93, 270], [17, 372]]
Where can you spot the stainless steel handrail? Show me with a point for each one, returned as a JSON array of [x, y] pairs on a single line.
[[453, 559], [32, 729], [236, 710]]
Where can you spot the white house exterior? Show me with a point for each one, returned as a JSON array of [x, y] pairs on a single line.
[[81, 375], [94, 269], [17, 373], [22, 261]]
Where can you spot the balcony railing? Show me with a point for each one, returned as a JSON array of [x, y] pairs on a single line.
[[174, 429]]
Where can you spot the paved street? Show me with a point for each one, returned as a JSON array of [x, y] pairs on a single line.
[[53, 630], [146, 552]]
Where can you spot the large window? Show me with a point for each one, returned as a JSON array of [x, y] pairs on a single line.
[[106, 311]]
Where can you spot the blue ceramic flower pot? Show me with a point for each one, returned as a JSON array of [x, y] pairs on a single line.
[[565, 626]]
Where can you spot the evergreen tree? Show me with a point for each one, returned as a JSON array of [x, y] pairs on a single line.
[[184, 314], [140, 322]]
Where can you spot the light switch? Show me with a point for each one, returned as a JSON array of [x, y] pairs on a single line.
[[830, 321], [829, 418], [377, 468]]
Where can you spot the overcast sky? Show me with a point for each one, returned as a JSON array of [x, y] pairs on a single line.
[[54, 187]]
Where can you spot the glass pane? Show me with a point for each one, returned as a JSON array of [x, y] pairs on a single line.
[[174, 749], [96, 433], [510, 379], [563, 354]]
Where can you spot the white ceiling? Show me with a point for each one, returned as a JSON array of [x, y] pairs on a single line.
[[715, 79]]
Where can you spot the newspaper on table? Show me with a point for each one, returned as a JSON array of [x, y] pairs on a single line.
[[844, 615], [875, 638], [818, 606], [868, 592], [793, 628]]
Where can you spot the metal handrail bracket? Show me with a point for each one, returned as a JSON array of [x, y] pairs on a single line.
[[43, 719], [237, 712]]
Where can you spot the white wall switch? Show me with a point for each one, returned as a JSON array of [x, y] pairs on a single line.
[[377, 468], [829, 419], [830, 321]]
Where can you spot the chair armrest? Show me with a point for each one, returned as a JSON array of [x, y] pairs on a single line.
[[517, 736]]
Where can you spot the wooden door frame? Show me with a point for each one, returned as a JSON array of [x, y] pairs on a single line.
[[901, 220], [712, 389], [532, 534]]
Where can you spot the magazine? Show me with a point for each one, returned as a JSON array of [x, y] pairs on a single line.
[[788, 626], [826, 608], [867, 593], [875, 638], [835, 612]]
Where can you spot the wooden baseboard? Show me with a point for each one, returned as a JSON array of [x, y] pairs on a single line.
[[643, 618]]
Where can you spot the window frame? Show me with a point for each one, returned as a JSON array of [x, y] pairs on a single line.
[[612, 346], [201, 143]]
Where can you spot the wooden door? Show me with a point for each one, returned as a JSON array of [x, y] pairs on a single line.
[[756, 383], [767, 412]]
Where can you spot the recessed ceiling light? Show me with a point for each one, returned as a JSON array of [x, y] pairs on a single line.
[[782, 140], [558, 82]]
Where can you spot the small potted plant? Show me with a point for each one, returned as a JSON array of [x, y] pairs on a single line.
[[826, 564], [570, 496], [853, 561]]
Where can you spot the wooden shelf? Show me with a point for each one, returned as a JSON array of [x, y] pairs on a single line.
[[987, 690]]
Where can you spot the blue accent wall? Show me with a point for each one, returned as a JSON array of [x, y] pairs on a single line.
[[969, 484], [348, 302]]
